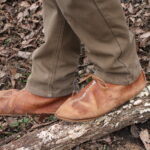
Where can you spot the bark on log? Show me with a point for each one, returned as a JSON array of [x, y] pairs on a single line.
[[64, 136]]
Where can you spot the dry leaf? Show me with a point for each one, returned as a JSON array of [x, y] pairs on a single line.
[[145, 137], [24, 55], [145, 35]]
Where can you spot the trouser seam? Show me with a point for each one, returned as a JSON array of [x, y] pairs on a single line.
[[59, 53], [107, 22], [55, 60]]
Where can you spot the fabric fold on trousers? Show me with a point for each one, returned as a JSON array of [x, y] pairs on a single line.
[[55, 62], [101, 26]]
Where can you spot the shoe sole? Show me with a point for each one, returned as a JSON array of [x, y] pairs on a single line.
[[22, 115], [73, 121]]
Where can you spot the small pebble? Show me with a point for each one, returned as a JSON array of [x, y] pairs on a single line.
[[147, 104], [137, 102]]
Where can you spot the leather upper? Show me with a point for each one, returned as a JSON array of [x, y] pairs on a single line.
[[24, 102], [98, 98]]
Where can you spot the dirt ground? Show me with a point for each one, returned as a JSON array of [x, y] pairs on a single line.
[[21, 32]]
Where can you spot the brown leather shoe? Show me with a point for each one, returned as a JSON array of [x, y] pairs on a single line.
[[15, 102], [97, 99]]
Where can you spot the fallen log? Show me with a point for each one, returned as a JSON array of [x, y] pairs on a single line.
[[64, 136]]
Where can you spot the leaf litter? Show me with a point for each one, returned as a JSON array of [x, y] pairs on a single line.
[[21, 32]]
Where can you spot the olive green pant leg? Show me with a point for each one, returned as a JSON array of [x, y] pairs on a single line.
[[101, 25], [55, 62]]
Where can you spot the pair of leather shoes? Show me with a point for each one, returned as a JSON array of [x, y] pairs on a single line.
[[94, 100]]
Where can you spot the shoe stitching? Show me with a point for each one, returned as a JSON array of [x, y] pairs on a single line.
[[86, 91]]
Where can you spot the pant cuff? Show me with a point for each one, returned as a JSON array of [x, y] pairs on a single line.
[[41, 92], [120, 78]]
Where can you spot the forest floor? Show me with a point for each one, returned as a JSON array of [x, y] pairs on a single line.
[[21, 32]]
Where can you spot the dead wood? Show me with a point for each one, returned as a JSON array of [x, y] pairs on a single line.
[[64, 136]]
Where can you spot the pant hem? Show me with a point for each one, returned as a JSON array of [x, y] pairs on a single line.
[[120, 79], [38, 92]]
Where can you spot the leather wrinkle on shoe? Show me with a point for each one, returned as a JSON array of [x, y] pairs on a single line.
[[94, 81]]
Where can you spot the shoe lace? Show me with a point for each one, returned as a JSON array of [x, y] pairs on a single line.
[[93, 77], [88, 78]]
